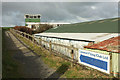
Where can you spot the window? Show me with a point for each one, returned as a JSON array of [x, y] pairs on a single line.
[[39, 16], [33, 27], [35, 17], [31, 16], [27, 16], [26, 24]]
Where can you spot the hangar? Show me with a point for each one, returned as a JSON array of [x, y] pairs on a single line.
[[84, 34], [80, 34]]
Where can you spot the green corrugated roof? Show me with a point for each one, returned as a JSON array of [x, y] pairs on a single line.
[[98, 26]]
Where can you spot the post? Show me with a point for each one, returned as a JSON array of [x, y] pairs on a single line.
[[72, 55], [119, 65], [111, 71], [77, 54], [28, 36], [24, 34], [40, 41], [50, 47], [33, 40], [18, 33]]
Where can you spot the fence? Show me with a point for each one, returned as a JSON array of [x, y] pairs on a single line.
[[68, 52], [72, 51]]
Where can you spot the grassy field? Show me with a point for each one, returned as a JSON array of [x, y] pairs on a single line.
[[56, 62], [10, 67]]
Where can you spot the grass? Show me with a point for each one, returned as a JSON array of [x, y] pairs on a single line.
[[63, 66], [6, 28], [10, 67]]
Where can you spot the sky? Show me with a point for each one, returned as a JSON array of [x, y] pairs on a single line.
[[69, 12]]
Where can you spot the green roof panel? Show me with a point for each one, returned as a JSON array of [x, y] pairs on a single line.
[[98, 26]]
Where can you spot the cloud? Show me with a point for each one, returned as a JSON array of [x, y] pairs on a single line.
[[0, 14], [93, 7], [13, 12], [60, 0]]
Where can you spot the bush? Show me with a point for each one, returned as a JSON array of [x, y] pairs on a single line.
[[24, 29], [43, 27]]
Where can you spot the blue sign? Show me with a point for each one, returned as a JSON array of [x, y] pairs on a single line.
[[95, 60]]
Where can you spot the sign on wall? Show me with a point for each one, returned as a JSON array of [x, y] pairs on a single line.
[[95, 60]]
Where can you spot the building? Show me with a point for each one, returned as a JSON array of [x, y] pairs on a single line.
[[111, 45], [54, 24], [32, 20], [83, 34]]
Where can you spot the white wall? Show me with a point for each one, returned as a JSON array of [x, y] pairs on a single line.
[[63, 50]]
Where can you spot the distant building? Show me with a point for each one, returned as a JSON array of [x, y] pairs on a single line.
[[54, 24], [33, 21]]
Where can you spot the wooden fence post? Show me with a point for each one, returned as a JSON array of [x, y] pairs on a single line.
[[25, 34], [72, 55], [33, 40], [50, 47], [77, 55], [18, 33], [111, 71], [28, 37], [40, 41]]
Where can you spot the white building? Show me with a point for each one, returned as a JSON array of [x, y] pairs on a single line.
[[33, 21]]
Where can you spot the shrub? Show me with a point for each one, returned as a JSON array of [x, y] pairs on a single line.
[[43, 27], [24, 29]]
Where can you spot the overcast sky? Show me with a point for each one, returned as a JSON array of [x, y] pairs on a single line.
[[72, 12]]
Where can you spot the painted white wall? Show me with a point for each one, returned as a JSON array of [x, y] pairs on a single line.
[[97, 37]]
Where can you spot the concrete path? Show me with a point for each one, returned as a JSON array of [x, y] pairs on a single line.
[[33, 66]]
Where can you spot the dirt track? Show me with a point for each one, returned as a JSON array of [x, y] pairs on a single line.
[[32, 65]]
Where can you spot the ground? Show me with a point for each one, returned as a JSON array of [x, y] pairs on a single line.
[[31, 65]]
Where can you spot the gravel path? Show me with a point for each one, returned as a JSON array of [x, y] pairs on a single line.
[[33, 66]]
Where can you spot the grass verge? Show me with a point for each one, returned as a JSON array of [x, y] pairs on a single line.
[[10, 67]]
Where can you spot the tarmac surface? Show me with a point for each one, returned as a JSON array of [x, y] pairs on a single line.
[[33, 66]]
